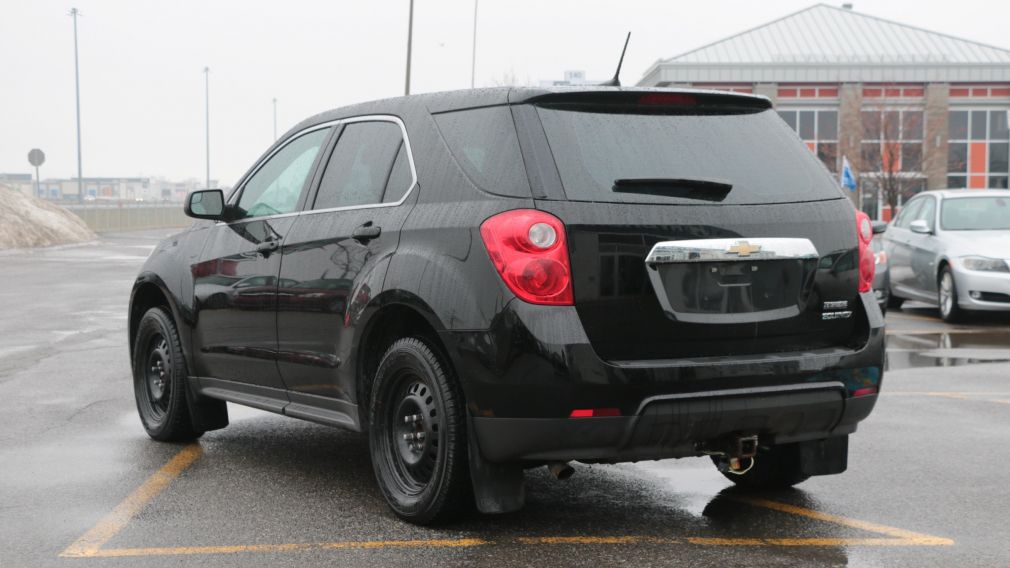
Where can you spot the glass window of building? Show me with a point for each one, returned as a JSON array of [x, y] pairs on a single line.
[[818, 128], [892, 146], [978, 153]]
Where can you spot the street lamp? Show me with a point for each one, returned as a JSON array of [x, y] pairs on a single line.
[[410, 42], [77, 90], [473, 56], [206, 91]]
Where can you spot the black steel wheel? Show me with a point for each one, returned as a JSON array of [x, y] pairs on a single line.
[[417, 436], [159, 379]]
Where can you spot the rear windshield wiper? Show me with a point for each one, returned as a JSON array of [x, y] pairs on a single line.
[[684, 188]]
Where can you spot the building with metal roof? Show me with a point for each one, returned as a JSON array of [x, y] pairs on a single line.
[[907, 107]]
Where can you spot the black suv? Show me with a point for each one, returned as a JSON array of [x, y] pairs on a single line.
[[491, 280]]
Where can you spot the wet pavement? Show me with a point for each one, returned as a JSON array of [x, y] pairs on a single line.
[[81, 485]]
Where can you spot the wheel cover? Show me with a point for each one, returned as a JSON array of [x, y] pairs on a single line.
[[946, 293], [413, 429], [157, 377]]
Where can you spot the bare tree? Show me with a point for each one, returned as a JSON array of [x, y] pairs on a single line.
[[892, 156]]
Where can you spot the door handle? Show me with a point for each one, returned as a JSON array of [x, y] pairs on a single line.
[[267, 247], [366, 232]]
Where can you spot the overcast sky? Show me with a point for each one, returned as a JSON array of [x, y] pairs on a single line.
[[142, 82]]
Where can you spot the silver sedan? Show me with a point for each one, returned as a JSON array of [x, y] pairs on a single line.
[[952, 248]]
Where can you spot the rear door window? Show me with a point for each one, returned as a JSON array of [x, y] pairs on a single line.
[[360, 166], [754, 152], [400, 177]]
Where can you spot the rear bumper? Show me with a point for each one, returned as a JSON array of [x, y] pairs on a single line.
[[672, 428], [524, 376]]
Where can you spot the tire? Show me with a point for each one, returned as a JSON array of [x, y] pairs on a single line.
[[946, 297], [775, 468], [159, 379], [425, 480]]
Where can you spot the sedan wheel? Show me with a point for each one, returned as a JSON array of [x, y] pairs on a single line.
[[947, 297]]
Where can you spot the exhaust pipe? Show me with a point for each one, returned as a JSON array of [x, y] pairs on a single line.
[[560, 470]]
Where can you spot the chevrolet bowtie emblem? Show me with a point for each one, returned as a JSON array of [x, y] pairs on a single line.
[[743, 248]]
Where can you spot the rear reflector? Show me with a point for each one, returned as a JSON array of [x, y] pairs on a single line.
[[864, 391], [594, 412]]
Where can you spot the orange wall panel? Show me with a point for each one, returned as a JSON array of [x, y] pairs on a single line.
[[977, 160]]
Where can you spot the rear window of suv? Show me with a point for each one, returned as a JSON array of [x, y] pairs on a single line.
[[754, 152]]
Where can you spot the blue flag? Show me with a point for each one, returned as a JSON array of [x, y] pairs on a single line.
[[848, 180]]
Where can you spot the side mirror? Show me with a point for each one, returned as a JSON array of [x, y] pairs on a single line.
[[919, 226], [879, 227], [206, 204]]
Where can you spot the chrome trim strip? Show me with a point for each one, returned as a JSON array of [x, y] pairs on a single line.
[[364, 118], [725, 250], [718, 250]]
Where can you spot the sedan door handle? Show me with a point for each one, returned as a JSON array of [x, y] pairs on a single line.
[[366, 232], [267, 247]]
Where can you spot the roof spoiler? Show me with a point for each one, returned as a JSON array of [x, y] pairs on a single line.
[[653, 101]]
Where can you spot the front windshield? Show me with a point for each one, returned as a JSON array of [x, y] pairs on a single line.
[[976, 214]]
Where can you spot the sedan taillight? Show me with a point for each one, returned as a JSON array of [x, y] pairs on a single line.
[[530, 252]]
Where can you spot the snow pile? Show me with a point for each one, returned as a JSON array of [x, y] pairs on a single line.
[[27, 221]]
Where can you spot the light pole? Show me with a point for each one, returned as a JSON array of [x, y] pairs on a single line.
[[473, 56], [275, 119], [410, 41], [206, 92], [77, 90]]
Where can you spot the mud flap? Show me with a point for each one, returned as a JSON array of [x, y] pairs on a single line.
[[824, 457], [205, 413], [497, 487]]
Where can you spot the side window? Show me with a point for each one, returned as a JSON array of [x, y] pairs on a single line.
[[360, 165], [927, 212], [908, 214], [278, 184], [485, 145], [400, 178]]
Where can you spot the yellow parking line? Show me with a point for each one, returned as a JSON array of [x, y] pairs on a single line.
[[945, 331], [896, 533], [93, 540], [591, 540], [91, 543], [914, 317], [969, 396], [292, 547]]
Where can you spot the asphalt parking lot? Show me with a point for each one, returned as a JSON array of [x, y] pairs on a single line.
[[82, 485]]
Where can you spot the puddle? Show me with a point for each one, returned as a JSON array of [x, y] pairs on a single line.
[[946, 349]]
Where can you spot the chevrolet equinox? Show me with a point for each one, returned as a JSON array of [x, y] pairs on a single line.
[[486, 281]]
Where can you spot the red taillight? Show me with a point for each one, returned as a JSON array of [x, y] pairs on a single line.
[[864, 230], [667, 99], [530, 252], [594, 412]]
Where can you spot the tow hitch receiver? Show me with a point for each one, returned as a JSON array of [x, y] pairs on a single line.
[[736, 455], [746, 447]]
